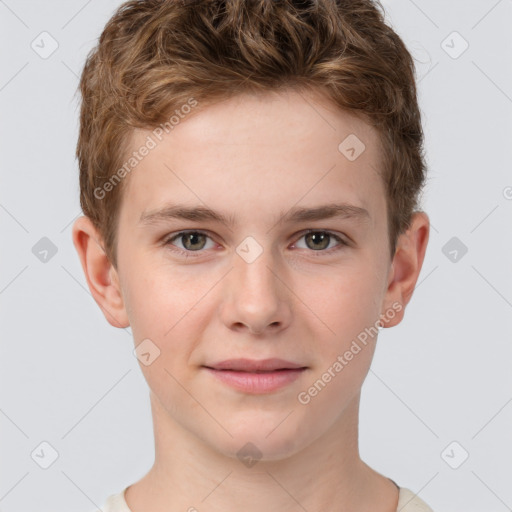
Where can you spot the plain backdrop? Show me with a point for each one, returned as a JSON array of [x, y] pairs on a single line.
[[436, 411]]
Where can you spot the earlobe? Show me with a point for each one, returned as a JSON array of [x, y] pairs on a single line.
[[98, 272], [406, 267]]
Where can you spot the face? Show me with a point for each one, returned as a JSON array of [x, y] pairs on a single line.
[[272, 281]]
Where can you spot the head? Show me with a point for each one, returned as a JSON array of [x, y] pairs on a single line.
[[253, 110]]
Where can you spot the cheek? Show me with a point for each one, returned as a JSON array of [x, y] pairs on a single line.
[[168, 309], [160, 300], [346, 302], [349, 309]]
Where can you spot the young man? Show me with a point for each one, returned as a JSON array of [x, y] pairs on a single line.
[[250, 172]]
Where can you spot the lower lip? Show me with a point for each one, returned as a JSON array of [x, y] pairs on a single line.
[[257, 382]]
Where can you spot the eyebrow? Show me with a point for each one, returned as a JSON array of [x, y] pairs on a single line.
[[295, 215]]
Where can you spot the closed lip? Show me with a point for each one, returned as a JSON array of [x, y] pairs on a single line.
[[253, 365]]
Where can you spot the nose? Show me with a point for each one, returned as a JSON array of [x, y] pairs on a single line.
[[255, 296]]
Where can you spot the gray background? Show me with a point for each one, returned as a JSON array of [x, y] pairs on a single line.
[[444, 374]]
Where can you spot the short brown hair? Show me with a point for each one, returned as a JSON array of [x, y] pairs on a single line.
[[153, 56]]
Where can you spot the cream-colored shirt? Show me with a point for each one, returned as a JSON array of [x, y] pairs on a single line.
[[407, 502]]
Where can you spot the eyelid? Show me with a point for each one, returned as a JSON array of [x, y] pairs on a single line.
[[338, 236], [177, 234], [342, 242]]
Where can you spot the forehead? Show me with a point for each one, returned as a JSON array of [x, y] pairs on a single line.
[[256, 153]]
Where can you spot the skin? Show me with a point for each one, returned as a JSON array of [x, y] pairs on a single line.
[[255, 157]]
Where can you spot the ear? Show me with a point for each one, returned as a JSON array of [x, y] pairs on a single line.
[[100, 274], [405, 268]]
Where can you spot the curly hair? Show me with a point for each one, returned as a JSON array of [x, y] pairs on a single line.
[[156, 56]]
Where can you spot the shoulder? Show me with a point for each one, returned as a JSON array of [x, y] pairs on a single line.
[[114, 503], [410, 502], [407, 502]]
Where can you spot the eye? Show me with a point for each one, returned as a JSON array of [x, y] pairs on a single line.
[[193, 241], [318, 240]]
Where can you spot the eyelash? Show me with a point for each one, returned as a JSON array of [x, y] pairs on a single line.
[[171, 238]]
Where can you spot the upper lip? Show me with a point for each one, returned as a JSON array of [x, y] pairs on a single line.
[[252, 365]]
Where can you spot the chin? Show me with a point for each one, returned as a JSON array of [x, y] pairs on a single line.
[[270, 439]]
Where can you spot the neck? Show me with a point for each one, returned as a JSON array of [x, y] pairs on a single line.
[[327, 475]]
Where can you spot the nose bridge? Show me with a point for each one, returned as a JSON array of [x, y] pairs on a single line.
[[254, 267], [256, 293]]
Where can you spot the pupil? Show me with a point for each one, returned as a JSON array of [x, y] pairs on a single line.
[[322, 237], [191, 239], [319, 239]]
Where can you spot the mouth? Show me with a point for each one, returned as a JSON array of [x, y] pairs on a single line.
[[255, 366], [256, 377]]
